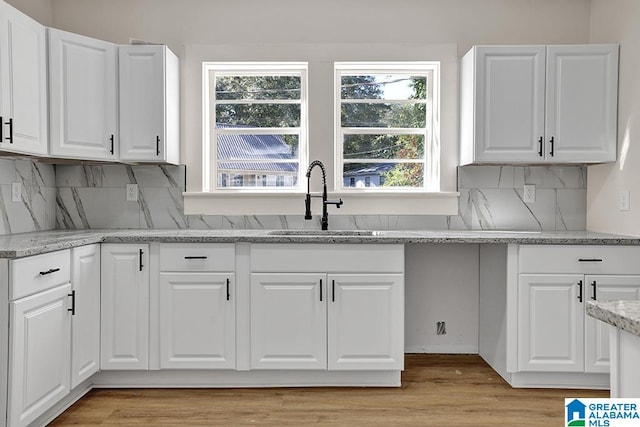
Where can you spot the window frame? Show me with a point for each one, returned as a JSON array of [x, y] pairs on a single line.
[[430, 69], [210, 132]]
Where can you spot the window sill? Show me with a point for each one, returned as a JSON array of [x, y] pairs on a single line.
[[355, 203]]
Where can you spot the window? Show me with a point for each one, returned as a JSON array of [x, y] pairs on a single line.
[[385, 125], [255, 125]]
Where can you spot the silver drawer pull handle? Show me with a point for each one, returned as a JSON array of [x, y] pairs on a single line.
[[51, 270], [589, 260], [195, 257]]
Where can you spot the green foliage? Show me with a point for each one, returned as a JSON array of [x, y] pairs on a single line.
[[258, 88]]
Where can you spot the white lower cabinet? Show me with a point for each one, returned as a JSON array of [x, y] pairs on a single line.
[[366, 321], [554, 332], [40, 354], [197, 321], [550, 326], [124, 307], [85, 325], [40, 312], [348, 317], [288, 321]]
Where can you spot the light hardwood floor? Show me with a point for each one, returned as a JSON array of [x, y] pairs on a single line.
[[437, 390]]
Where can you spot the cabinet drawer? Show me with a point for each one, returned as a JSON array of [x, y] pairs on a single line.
[[581, 259], [197, 257], [38, 273]]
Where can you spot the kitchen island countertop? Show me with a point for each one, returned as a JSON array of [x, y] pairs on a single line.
[[621, 314]]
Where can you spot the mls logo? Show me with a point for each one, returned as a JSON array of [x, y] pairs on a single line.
[[576, 413]]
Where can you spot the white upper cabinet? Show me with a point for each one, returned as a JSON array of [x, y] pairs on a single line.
[[83, 95], [539, 104], [582, 103], [149, 104], [23, 83]]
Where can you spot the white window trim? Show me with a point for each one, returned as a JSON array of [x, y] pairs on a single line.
[[320, 57], [432, 138], [209, 153]]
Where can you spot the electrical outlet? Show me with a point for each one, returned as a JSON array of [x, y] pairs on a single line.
[[441, 328], [132, 192], [16, 192], [529, 193], [625, 202]]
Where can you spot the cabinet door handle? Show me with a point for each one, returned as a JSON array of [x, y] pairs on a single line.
[[594, 285], [49, 271], [195, 257], [540, 146], [320, 290], [157, 145], [10, 137], [73, 303], [111, 139], [589, 259], [580, 291], [141, 252], [551, 143], [1, 129], [333, 291], [228, 291]]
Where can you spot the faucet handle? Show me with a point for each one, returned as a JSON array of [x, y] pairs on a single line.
[[338, 203]]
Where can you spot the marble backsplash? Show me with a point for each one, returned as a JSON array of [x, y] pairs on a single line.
[[490, 198], [36, 209]]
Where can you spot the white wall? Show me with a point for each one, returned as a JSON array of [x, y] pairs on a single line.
[[40, 10], [616, 21], [183, 24], [442, 284]]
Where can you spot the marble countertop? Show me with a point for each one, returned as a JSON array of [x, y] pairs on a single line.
[[26, 244], [622, 314]]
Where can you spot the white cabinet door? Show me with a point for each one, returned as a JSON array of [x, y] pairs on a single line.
[[539, 104], [508, 104], [197, 321], [124, 307], [39, 354], [149, 104], [23, 86], [365, 321], [83, 95], [288, 321], [603, 288], [551, 322], [581, 103], [85, 325]]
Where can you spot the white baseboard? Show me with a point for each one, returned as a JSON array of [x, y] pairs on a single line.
[[442, 349]]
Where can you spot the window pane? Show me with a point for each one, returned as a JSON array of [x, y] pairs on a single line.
[[251, 147], [258, 115], [383, 147], [383, 86], [257, 87], [383, 115], [252, 174], [361, 175]]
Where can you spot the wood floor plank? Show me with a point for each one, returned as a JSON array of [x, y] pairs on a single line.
[[437, 390]]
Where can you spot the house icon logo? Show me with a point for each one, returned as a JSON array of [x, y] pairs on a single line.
[[576, 413]]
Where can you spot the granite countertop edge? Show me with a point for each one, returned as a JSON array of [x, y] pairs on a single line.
[[621, 314], [28, 244]]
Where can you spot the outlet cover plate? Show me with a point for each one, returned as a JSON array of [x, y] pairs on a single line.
[[132, 192], [16, 191], [625, 202], [529, 193]]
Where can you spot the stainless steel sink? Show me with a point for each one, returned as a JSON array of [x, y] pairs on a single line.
[[324, 233]]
